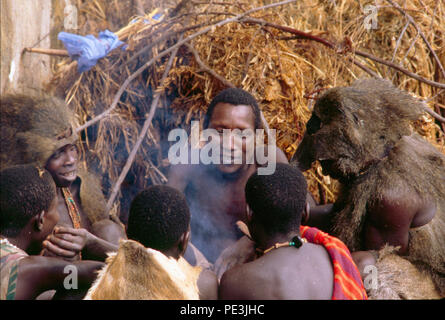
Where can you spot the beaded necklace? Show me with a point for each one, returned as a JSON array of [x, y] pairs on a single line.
[[296, 242], [73, 211]]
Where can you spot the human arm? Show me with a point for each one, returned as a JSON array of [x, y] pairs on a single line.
[[37, 274], [208, 285], [318, 216], [178, 176], [68, 242], [232, 284], [390, 218]]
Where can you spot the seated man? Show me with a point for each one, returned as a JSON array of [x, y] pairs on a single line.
[[40, 130], [392, 179], [160, 219], [215, 192], [296, 262], [28, 214]]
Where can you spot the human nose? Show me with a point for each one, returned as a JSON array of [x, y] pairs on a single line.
[[70, 158]]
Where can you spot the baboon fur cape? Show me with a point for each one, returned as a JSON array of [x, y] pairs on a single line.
[[367, 131], [33, 127], [137, 273]]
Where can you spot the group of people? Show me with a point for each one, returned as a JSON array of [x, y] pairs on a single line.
[[250, 236]]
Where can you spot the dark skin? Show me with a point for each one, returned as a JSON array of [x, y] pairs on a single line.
[[226, 203], [37, 274], [207, 281], [389, 219], [285, 273], [94, 241]]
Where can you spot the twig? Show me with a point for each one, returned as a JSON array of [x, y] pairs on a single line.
[[399, 40], [333, 46], [434, 114], [142, 134], [165, 52], [410, 19], [226, 82], [207, 69], [51, 52]]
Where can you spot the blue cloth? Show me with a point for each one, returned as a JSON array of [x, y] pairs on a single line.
[[87, 50]]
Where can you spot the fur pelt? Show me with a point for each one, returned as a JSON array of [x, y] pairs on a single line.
[[137, 273], [399, 279], [32, 129], [365, 131]]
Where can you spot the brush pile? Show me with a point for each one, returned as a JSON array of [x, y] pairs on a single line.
[[284, 55]]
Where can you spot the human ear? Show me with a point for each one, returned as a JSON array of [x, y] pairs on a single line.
[[40, 219], [248, 213], [185, 238]]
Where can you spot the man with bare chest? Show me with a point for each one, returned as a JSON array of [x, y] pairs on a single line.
[[40, 129], [75, 232], [215, 192]]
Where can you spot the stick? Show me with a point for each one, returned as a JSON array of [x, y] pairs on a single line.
[[358, 52], [51, 52], [165, 52], [142, 134], [207, 69], [434, 114], [410, 19]]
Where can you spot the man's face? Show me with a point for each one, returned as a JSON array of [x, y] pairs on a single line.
[[229, 116], [63, 165]]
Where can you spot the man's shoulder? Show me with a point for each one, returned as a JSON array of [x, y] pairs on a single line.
[[208, 285]]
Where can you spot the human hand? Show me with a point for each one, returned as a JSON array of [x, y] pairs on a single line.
[[66, 242], [240, 252]]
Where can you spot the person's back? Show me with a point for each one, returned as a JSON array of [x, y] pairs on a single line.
[[160, 219], [284, 274], [296, 262], [27, 217]]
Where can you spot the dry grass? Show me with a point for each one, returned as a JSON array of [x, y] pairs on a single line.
[[283, 73]]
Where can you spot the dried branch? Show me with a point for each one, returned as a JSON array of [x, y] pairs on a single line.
[[434, 114], [51, 52], [167, 51], [399, 40], [207, 69], [142, 134], [334, 46], [410, 19]]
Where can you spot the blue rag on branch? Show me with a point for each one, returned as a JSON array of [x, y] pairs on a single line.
[[88, 49]]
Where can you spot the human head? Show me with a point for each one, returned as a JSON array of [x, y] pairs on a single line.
[[276, 201], [63, 165], [233, 109], [235, 97], [34, 127], [28, 199], [160, 219], [353, 127]]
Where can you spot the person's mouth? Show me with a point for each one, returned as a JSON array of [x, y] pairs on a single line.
[[69, 174]]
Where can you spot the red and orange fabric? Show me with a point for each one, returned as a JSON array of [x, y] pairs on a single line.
[[348, 284]]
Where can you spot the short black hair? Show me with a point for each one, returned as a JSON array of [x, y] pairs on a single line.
[[159, 215], [25, 191], [235, 96], [277, 200]]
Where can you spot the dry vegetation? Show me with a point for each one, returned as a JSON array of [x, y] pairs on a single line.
[[282, 68]]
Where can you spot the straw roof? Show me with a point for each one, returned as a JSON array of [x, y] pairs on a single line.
[[283, 70]]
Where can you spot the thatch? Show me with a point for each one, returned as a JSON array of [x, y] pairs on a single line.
[[283, 71]]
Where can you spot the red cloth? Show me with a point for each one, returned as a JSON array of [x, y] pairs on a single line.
[[348, 284]]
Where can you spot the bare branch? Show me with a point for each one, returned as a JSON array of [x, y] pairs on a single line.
[[410, 19], [142, 134], [167, 51], [207, 69], [334, 46]]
